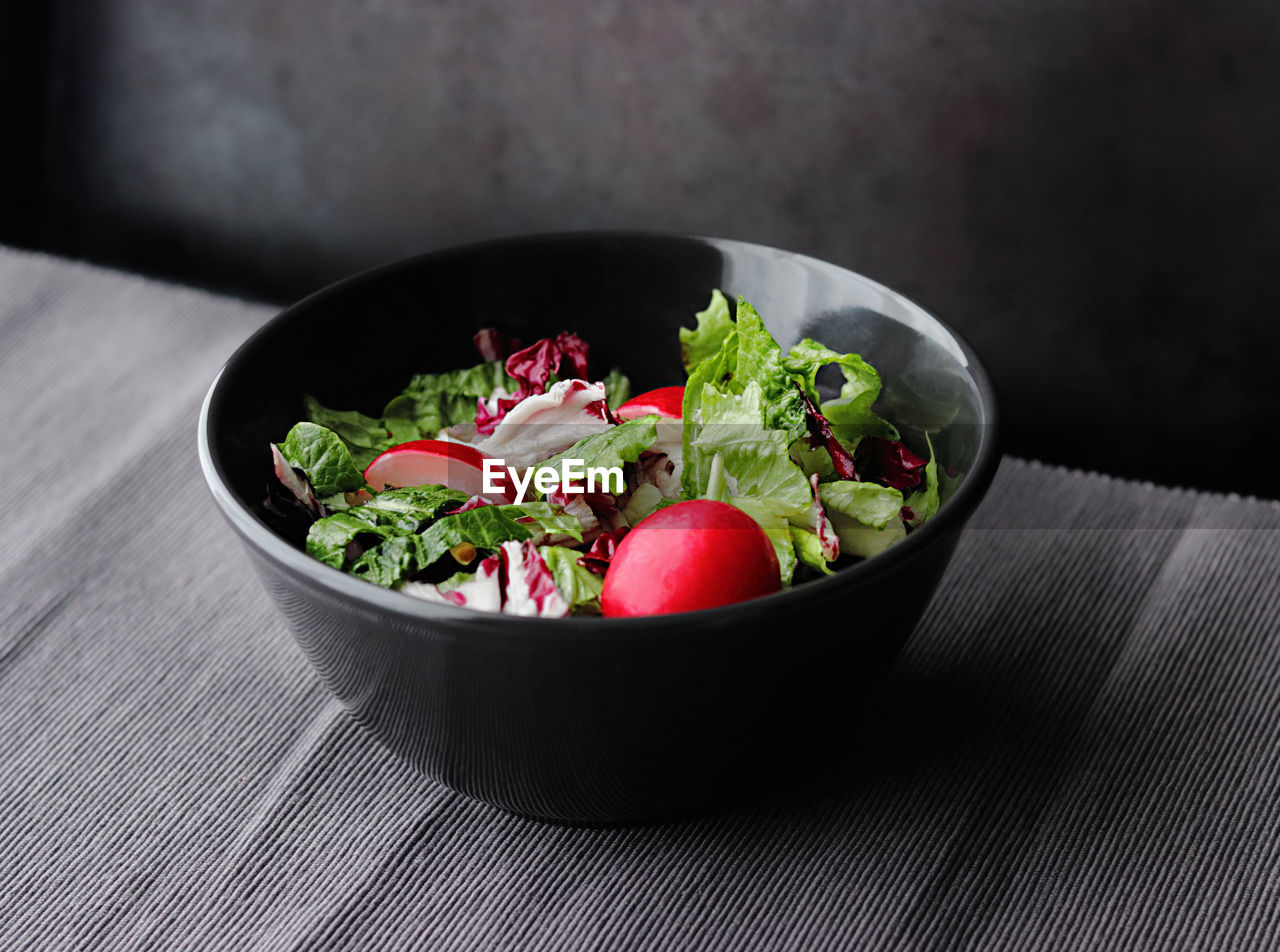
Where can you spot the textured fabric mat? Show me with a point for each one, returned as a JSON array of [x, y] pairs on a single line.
[[1078, 748]]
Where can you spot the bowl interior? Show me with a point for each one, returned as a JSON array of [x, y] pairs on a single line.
[[356, 344]]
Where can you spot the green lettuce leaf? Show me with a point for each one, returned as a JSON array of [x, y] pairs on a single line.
[[485, 528], [924, 502], [617, 388], [551, 519], [755, 458], [580, 587], [328, 538], [867, 517], [806, 358], [615, 446], [455, 580], [814, 459], [760, 360], [868, 503], [364, 436], [772, 518], [432, 402], [323, 457], [393, 521], [420, 503], [809, 550], [387, 515], [749, 361], [849, 414], [391, 561], [714, 325], [711, 373]]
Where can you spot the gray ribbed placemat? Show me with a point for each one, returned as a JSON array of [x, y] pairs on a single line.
[[1079, 747]]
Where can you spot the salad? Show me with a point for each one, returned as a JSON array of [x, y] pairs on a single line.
[[526, 485]]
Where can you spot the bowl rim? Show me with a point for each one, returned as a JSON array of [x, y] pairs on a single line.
[[418, 612]]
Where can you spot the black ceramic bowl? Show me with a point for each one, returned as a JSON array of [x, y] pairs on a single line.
[[586, 719]]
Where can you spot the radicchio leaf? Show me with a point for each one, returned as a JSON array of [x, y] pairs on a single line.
[[597, 558], [822, 527], [491, 412], [820, 435], [298, 486], [890, 463], [494, 345], [529, 588], [483, 592], [532, 367], [475, 502], [544, 424]]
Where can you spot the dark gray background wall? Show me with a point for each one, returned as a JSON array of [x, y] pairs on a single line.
[[1087, 189]]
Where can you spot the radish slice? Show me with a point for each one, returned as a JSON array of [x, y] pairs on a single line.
[[437, 463], [665, 401]]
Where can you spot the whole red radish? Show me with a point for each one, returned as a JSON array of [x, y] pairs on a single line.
[[695, 554], [665, 401], [438, 463]]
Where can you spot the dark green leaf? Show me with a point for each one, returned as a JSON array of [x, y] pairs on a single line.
[[365, 437], [432, 402], [321, 454]]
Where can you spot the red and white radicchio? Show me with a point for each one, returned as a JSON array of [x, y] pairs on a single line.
[[483, 592], [540, 426], [514, 581], [822, 526], [530, 590]]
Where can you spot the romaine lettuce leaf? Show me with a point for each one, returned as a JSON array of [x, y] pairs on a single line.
[[760, 360], [865, 541], [771, 516], [849, 414], [806, 358], [613, 447], [321, 454], [486, 528], [617, 388], [714, 325], [866, 516], [813, 459], [755, 458], [868, 503], [924, 502], [365, 437], [809, 550], [387, 515], [552, 520], [749, 359], [420, 503], [328, 538], [432, 402], [710, 373], [395, 519], [390, 561]]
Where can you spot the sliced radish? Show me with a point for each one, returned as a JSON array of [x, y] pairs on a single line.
[[438, 463], [665, 401]]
